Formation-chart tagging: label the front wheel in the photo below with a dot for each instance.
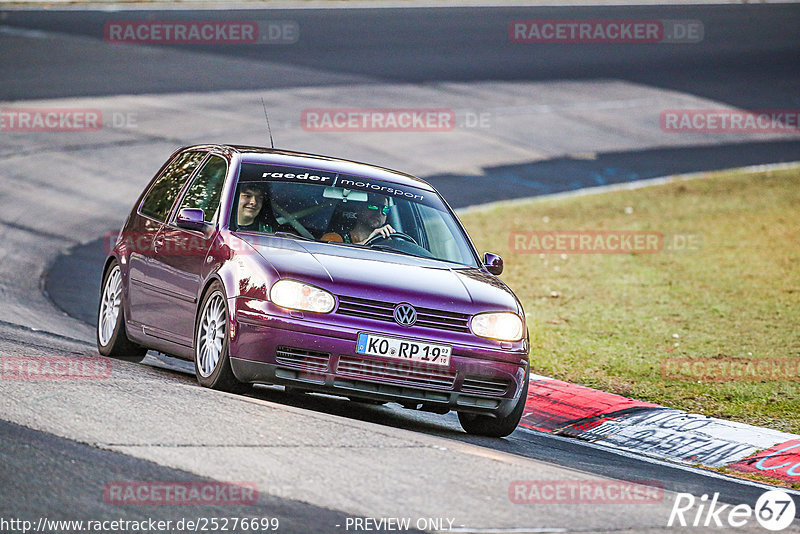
(484, 425)
(212, 365)
(112, 339)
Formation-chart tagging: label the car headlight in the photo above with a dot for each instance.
(504, 326)
(299, 296)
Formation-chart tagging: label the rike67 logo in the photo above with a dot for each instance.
(774, 510)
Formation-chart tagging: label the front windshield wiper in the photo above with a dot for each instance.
(387, 248)
(392, 249)
(293, 236)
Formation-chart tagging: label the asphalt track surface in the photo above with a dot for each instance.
(749, 58)
(77, 473)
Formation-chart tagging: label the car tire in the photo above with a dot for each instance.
(112, 338)
(212, 364)
(485, 425)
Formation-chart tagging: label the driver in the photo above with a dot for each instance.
(370, 221)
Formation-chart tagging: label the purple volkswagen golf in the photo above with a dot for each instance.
(318, 274)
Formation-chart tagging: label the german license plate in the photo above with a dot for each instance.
(403, 349)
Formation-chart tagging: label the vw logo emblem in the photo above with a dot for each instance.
(405, 314)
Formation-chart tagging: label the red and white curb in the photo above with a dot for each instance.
(588, 414)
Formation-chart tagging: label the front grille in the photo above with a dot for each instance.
(485, 386)
(384, 311)
(303, 358)
(396, 372)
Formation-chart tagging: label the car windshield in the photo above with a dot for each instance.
(329, 207)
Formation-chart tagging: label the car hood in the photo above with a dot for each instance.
(385, 276)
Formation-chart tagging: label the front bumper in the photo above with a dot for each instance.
(321, 357)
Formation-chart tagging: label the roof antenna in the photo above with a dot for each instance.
(271, 142)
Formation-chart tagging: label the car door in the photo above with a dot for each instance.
(180, 253)
(147, 306)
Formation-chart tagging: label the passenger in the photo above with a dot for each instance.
(251, 214)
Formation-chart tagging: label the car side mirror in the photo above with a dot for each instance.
(493, 263)
(191, 219)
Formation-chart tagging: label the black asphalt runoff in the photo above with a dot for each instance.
(568, 174)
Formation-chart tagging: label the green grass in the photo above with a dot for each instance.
(608, 321)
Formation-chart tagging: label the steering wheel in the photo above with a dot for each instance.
(393, 235)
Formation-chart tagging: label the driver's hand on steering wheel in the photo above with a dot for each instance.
(383, 231)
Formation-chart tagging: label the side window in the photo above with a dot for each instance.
(206, 188)
(440, 235)
(162, 195)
